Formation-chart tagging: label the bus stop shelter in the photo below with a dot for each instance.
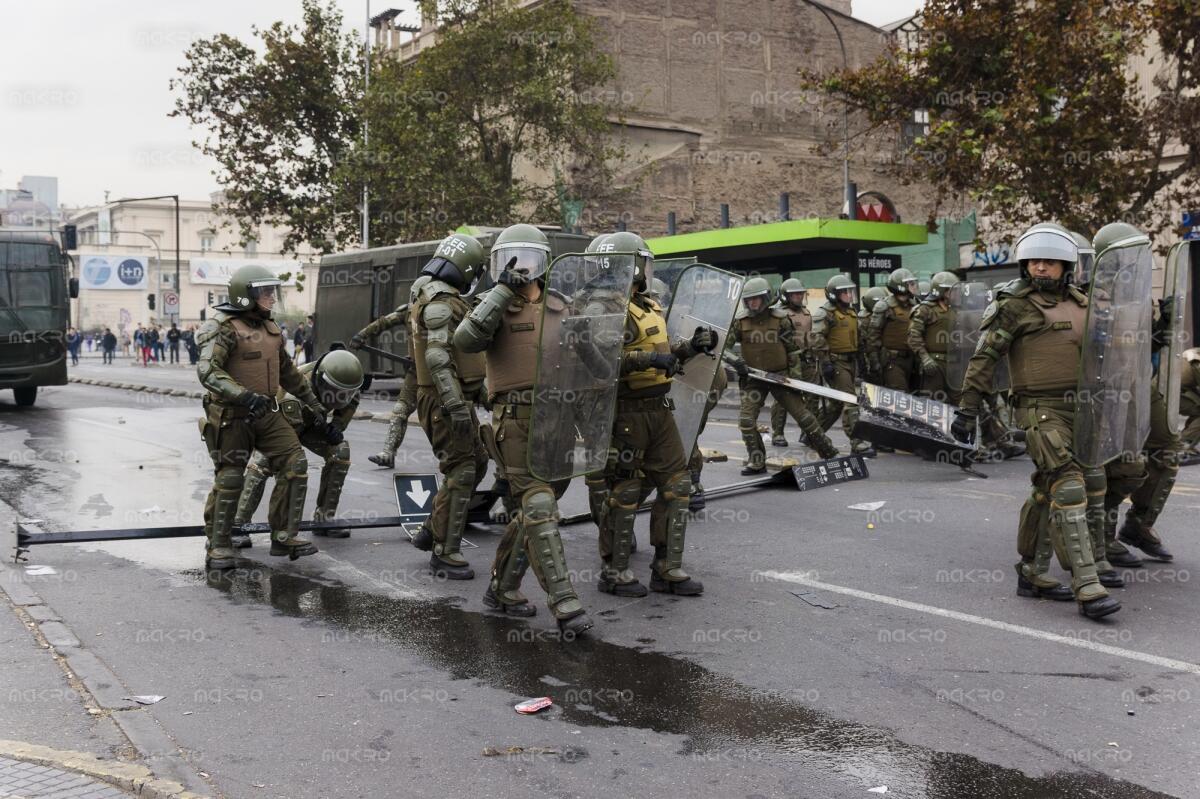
(797, 246)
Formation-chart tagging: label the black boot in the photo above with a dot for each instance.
(1111, 579)
(1059, 593)
(450, 571)
(571, 626)
(750, 471)
(423, 540)
(609, 586)
(1126, 560)
(1098, 608)
(523, 609)
(688, 587)
(1131, 534)
(241, 541)
(293, 548)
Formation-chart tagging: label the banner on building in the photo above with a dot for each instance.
(217, 271)
(112, 272)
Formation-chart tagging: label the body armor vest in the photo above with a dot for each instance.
(895, 329)
(762, 344)
(645, 331)
(469, 365)
(841, 331)
(1048, 360)
(937, 329)
(254, 363)
(802, 323)
(513, 355)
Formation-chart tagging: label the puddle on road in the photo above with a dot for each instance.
(722, 719)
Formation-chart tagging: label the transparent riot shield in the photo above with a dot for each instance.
(578, 364)
(968, 301)
(702, 296)
(1113, 396)
(1171, 357)
(668, 271)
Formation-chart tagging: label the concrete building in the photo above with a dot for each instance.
(127, 252)
(716, 111)
(34, 203)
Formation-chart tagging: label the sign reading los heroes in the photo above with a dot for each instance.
(217, 271)
(113, 272)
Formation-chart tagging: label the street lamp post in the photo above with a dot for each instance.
(178, 286)
(848, 191)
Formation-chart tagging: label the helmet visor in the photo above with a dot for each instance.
(849, 296)
(528, 261)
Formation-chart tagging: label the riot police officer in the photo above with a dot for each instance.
(836, 344)
(888, 352)
(793, 299)
(929, 332)
(506, 324)
(243, 364)
(1038, 323)
(768, 342)
(449, 382)
(336, 379)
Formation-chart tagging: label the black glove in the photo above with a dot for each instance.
(357, 341)
(963, 427)
(461, 422)
(743, 371)
(666, 362)
(333, 434)
(828, 370)
(511, 278)
(704, 339)
(257, 403)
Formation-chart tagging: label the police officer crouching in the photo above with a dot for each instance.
(336, 378)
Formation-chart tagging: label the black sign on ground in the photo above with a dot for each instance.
(835, 470)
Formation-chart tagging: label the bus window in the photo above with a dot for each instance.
(31, 289)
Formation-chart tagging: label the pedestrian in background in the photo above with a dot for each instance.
(189, 341)
(125, 342)
(298, 343)
(159, 339)
(310, 340)
(109, 345)
(73, 340)
(173, 342)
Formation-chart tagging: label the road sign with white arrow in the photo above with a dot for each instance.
(414, 495)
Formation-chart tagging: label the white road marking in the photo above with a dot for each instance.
(1129, 654)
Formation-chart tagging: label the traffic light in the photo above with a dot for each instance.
(150, 300)
(203, 315)
(70, 237)
(210, 298)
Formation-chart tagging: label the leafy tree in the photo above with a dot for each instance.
(1034, 112)
(460, 133)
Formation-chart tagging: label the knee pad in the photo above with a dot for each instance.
(1095, 481)
(678, 487)
(461, 477)
(1068, 492)
(625, 494)
(538, 506)
(229, 478)
(295, 466)
(257, 468)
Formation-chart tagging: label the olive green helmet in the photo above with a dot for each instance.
(337, 377)
(792, 286)
(838, 284)
(643, 259)
(525, 248)
(941, 283)
(246, 284)
(872, 296)
(658, 291)
(923, 287)
(458, 260)
(756, 287)
(1087, 258)
(597, 244)
(903, 282)
(1117, 234)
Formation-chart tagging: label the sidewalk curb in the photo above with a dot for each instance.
(102, 692)
(131, 777)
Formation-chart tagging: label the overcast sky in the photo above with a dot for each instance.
(84, 94)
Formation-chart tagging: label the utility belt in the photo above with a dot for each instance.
(512, 410)
(645, 404)
(898, 353)
(844, 357)
(1054, 400)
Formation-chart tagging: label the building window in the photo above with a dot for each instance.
(206, 241)
(915, 128)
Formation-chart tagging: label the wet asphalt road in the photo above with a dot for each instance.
(908, 661)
